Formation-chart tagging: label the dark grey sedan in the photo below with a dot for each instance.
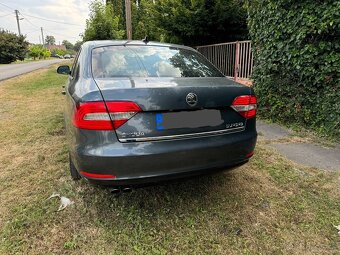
(140, 113)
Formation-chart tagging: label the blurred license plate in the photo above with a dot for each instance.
(188, 119)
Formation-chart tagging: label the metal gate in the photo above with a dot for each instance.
(234, 59)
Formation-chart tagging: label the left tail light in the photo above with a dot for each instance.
(98, 116)
(245, 105)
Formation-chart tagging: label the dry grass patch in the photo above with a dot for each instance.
(269, 206)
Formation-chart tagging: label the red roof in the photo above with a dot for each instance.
(59, 47)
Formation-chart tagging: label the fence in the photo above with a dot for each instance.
(234, 59)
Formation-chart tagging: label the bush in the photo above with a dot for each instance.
(12, 47)
(297, 60)
(38, 51)
(60, 52)
(45, 53)
(34, 51)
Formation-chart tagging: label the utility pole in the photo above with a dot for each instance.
(128, 19)
(17, 16)
(42, 37)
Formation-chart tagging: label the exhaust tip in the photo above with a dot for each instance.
(126, 189)
(115, 191)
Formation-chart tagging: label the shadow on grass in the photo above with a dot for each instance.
(196, 198)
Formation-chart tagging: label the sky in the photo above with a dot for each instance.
(36, 13)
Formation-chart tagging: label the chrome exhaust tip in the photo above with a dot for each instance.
(115, 191)
(126, 189)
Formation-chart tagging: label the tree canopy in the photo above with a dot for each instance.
(192, 22)
(200, 22)
(102, 24)
(68, 45)
(50, 40)
(12, 47)
(77, 45)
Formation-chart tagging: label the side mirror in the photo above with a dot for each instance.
(64, 70)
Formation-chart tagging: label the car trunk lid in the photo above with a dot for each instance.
(173, 108)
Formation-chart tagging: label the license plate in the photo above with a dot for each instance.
(188, 119)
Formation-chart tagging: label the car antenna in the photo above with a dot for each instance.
(146, 39)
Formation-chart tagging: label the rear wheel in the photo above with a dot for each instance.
(74, 173)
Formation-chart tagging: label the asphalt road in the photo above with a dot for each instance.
(12, 70)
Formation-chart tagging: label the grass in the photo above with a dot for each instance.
(269, 206)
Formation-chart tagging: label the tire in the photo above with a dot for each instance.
(74, 172)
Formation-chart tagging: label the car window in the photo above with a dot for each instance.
(150, 61)
(75, 66)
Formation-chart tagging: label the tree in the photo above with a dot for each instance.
(68, 45)
(77, 45)
(45, 53)
(102, 24)
(38, 51)
(118, 7)
(50, 40)
(193, 22)
(200, 22)
(34, 51)
(143, 18)
(12, 47)
(144, 21)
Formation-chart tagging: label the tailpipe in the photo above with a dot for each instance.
(115, 191)
(126, 190)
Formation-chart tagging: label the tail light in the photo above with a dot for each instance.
(245, 105)
(97, 116)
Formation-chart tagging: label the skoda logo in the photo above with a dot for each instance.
(191, 99)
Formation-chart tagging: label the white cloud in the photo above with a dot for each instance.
(167, 70)
(68, 11)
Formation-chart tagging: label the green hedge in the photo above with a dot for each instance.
(297, 61)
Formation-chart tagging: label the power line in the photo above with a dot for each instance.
(52, 20)
(5, 11)
(29, 21)
(54, 33)
(7, 6)
(6, 15)
(40, 28)
(33, 31)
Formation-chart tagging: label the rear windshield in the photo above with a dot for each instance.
(150, 61)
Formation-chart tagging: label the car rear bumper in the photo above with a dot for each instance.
(145, 162)
(163, 177)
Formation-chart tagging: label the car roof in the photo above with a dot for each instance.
(103, 43)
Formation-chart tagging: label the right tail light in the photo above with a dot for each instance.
(245, 105)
